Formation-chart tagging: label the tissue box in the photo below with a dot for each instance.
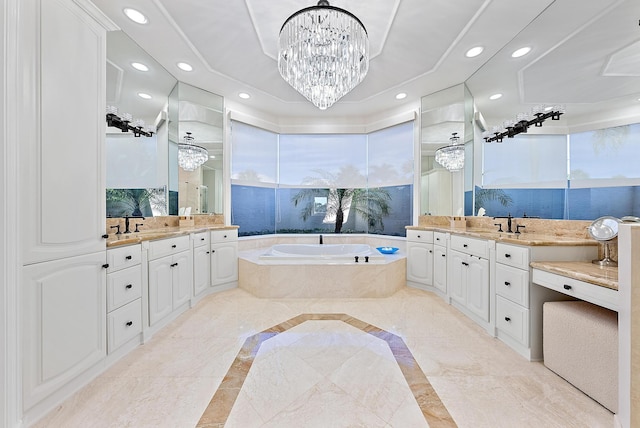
(458, 222)
(187, 220)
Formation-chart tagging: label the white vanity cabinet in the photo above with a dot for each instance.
(440, 262)
(170, 277)
(468, 278)
(224, 257)
(201, 262)
(124, 295)
(420, 259)
(518, 301)
(63, 323)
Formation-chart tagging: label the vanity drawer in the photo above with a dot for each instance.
(473, 246)
(425, 236)
(124, 324)
(218, 236)
(200, 239)
(601, 296)
(123, 287)
(513, 320)
(123, 257)
(513, 284)
(440, 238)
(512, 255)
(165, 247)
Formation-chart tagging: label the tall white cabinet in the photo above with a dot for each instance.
(60, 73)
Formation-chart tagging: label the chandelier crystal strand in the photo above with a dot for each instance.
(323, 53)
(452, 156)
(191, 156)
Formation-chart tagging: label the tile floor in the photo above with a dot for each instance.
(326, 363)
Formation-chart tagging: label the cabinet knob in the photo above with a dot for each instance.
(105, 236)
(128, 286)
(213, 251)
(444, 255)
(508, 256)
(128, 258)
(507, 319)
(465, 245)
(567, 287)
(507, 283)
(419, 236)
(437, 239)
(202, 239)
(208, 252)
(105, 266)
(174, 246)
(430, 251)
(225, 236)
(129, 323)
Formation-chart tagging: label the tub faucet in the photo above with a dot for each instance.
(320, 239)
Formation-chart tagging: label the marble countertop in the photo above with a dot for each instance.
(530, 239)
(604, 276)
(168, 232)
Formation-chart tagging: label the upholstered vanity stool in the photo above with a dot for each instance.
(580, 342)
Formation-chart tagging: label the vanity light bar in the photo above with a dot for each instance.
(124, 123)
(522, 123)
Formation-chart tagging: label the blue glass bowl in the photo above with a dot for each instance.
(387, 250)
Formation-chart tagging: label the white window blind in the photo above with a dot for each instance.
(323, 161)
(605, 157)
(526, 161)
(254, 158)
(391, 156)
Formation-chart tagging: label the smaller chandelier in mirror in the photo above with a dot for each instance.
(190, 155)
(323, 53)
(452, 156)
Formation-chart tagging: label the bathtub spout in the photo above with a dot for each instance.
(320, 239)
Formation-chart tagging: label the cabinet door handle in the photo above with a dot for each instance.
(567, 287)
(174, 264)
(507, 283)
(105, 236)
(128, 258)
(129, 323)
(508, 256)
(208, 252)
(105, 266)
(174, 246)
(444, 255)
(465, 245)
(202, 239)
(507, 319)
(465, 264)
(128, 286)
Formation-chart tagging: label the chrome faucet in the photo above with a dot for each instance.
(320, 239)
(508, 217)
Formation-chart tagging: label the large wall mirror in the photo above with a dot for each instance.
(138, 167)
(197, 119)
(583, 165)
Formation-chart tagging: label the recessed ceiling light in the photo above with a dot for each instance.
(139, 66)
(244, 95)
(143, 95)
(474, 52)
(212, 157)
(495, 96)
(184, 66)
(135, 16)
(521, 52)
(401, 96)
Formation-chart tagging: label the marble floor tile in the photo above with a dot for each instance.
(408, 360)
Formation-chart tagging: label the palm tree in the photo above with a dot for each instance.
(370, 204)
(485, 195)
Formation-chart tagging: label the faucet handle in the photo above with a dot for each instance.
(137, 225)
(498, 224)
(518, 228)
(117, 226)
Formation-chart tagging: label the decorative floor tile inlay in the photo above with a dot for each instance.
(220, 407)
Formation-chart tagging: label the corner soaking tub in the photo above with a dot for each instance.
(321, 254)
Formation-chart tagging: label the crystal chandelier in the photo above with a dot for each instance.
(323, 53)
(451, 156)
(190, 156)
